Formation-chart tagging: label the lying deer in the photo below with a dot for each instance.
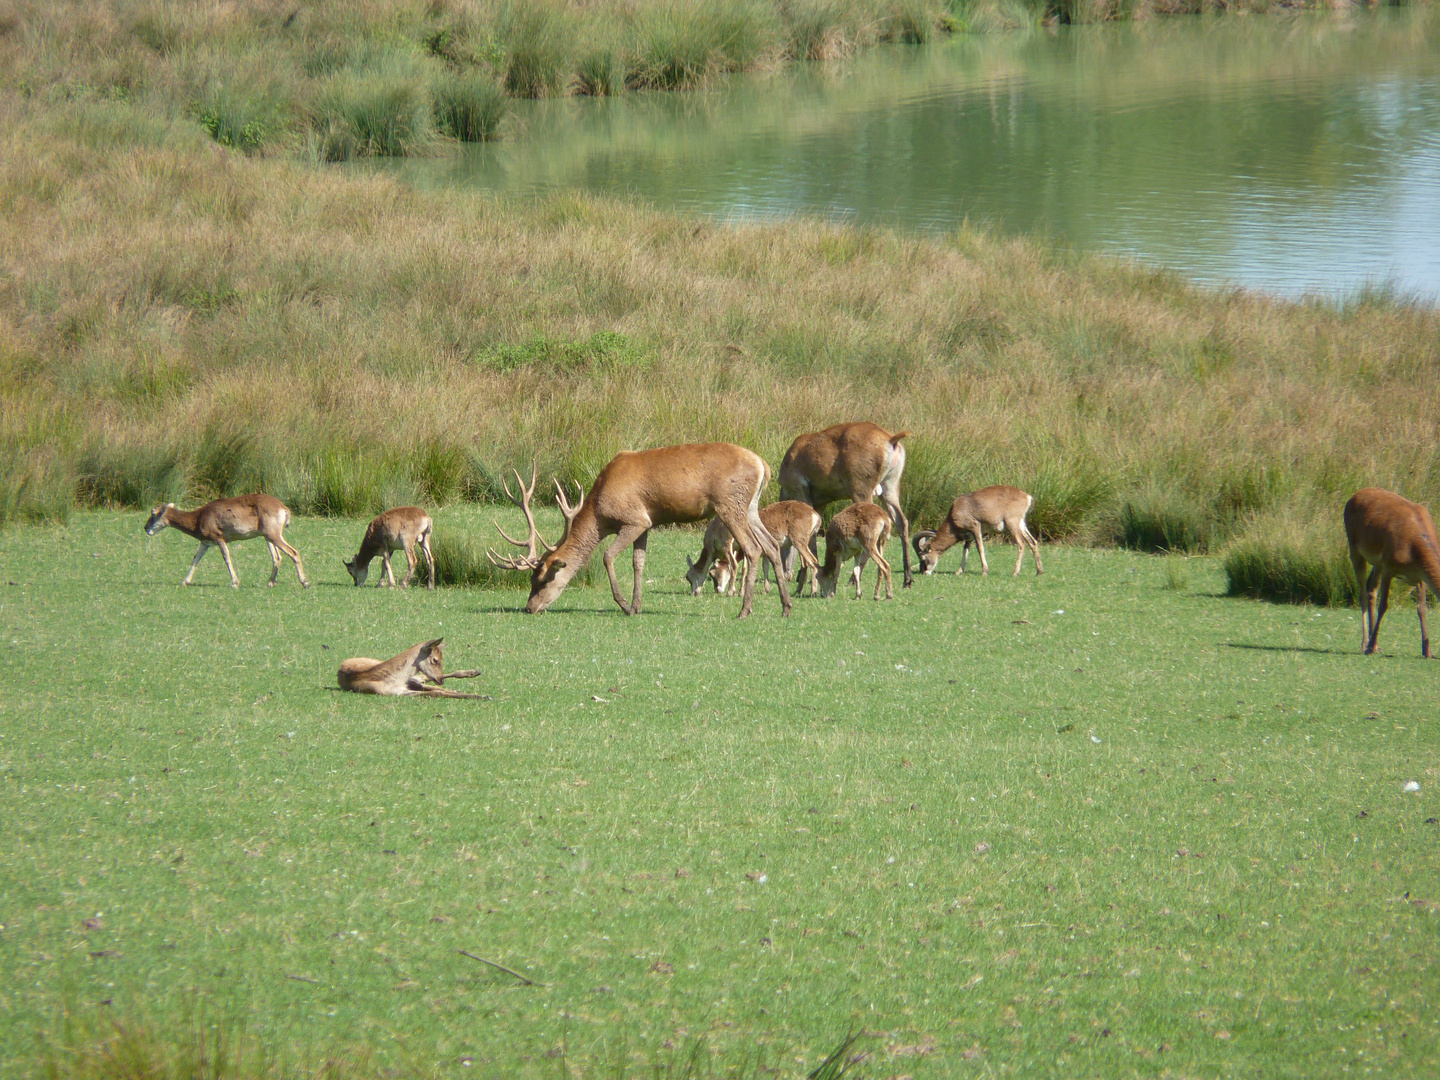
(401, 529)
(1397, 538)
(793, 524)
(227, 521)
(860, 531)
(992, 510)
(408, 675)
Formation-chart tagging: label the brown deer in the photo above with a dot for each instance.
(635, 492)
(1397, 538)
(992, 510)
(792, 523)
(227, 521)
(403, 529)
(858, 532)
(848, 461)
(416, 672)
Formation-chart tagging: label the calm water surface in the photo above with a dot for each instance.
(1291, 154)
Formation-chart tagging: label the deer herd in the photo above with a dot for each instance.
(722, 483)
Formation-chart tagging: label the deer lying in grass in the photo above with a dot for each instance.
(401, 529)
(227, 521)
(992, 510)
(416, 672)
(792, 523)
(860, 531)
(637, 491)
(861, 462)
(1397, 538)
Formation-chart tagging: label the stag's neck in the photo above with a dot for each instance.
(581, 539)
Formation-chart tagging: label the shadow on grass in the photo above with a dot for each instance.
(1288, 648)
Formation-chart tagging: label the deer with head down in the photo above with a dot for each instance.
(416, 672)
(793, 524)
(860, 461)
(403, 529)
(858, 532)
(227, 521)
(634, 493)
(992, 510)
(1397, 538)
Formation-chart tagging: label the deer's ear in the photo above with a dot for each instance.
(429, 647)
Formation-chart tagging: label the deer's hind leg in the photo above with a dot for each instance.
(1420, 610)
(229, 565)
(274, 562)
(429, 559)
(279, 541)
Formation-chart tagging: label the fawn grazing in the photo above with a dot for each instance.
(416, 672)
(992, 510)
(403, 529)
(635, 492)
(848, 461)
(861, 532)
(791, 523)
(227, 521)
(1397, 538)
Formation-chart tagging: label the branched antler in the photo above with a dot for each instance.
(533, 555)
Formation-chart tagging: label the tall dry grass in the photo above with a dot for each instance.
(180, 320)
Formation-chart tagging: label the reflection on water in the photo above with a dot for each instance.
(1287, 153)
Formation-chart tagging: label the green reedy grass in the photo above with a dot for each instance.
(1165, 814)
(469, 106)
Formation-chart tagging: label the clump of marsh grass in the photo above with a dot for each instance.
(537, 39)
(1177, 573)
(381, 109)
(468, 106)
(1161, 519)
(1298, 555)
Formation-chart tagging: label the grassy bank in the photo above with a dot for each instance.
(181, 321)
(332, 81)
(1083, 824)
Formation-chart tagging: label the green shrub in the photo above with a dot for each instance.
(35, 485)
(468, 106)
(672, 49)
(460, 560)
(600, 73)
(139, 477)
(1067, 496)
(243, 122)
(603, 350)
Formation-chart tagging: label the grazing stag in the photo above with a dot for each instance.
(416, 672)
(227, 521)
(635, 492)
(992, 510)
(792, 523)
(848, 461)
(1397, 538)
(860, 532)
(401, 529)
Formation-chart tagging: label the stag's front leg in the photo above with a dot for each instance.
(628, 535)
(638, 560)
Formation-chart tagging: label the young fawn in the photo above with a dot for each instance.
(412, 673)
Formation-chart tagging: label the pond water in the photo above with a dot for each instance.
(1286, 153)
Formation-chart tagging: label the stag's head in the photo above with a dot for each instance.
(159, 518)
(549, 570)
(921, 542)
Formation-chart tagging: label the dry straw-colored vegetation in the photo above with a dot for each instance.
(180, 319)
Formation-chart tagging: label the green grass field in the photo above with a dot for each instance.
(1086, 824)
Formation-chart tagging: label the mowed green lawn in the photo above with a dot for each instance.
(1079, 825)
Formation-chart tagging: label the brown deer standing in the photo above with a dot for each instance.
(792, 523)
(1397, 538)
(860, 532)
(991, 509)
(416, 672)
(634, 493)
(848, 461)
(403, 529)
(227, 521)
